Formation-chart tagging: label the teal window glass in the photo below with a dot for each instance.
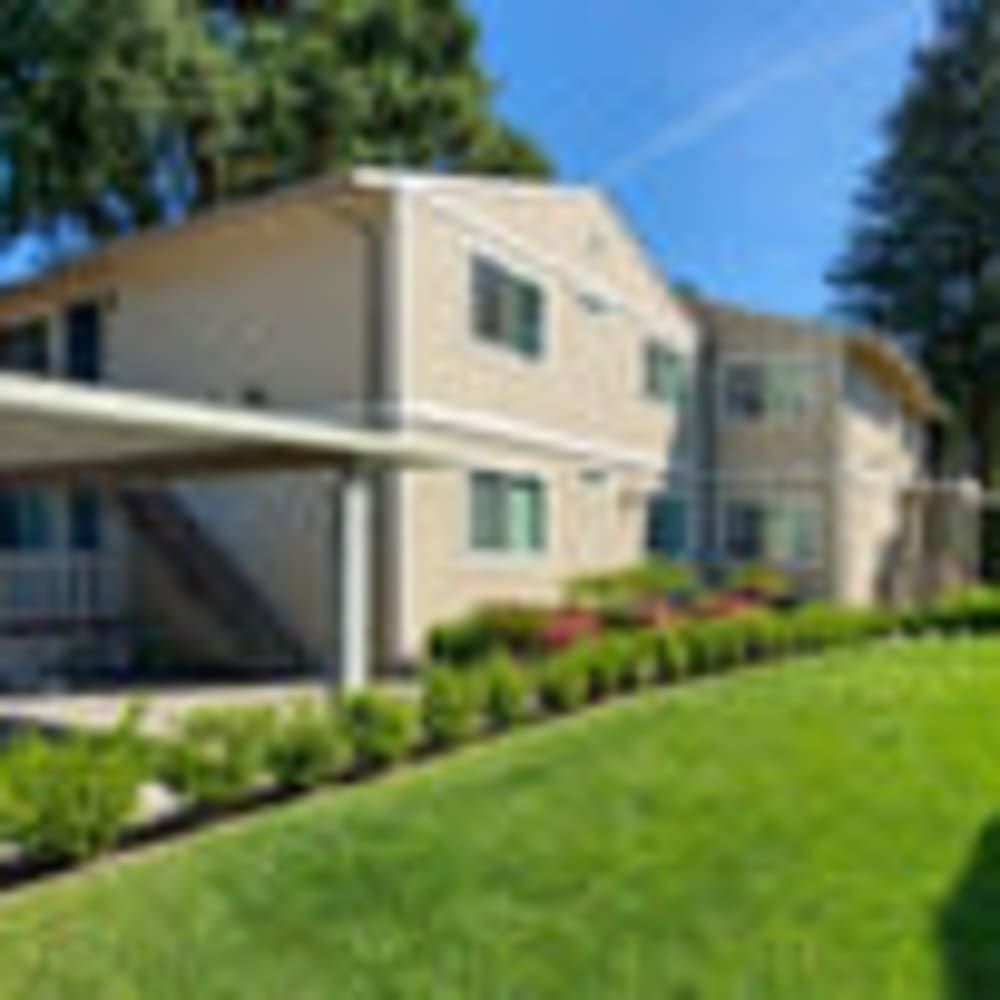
(508, 311)
(24, 348)
(667, 527)
(84, 342)
(85, 520)
(508, 513)
(25, 521)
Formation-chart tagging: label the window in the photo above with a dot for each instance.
(745, 531)
(508, 513)
(775, 389)
(24, 347)
(667, 527)
(25, 521)
(84, 342)
(786, 532)
(85, 521)
(666, 376)
(794, 535)
(507, 310)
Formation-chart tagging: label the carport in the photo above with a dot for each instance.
(57, 433)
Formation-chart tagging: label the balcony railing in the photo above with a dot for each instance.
(59, 591)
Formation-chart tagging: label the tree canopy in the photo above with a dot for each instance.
(116, 115)
(923, 260)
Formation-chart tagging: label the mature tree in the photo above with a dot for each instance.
(96, 100)
(116, 114)
(924, 259)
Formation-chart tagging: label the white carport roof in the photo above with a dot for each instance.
(51, 431)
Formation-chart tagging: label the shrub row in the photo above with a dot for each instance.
(649, 595)
(69, 799)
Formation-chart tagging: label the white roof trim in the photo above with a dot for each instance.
(47, 424)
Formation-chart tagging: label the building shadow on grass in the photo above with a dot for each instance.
(969, 924)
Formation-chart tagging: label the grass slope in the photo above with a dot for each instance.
(824, 829)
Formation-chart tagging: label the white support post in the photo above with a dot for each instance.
(352, 574)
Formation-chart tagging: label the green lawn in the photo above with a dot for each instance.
(823, 829)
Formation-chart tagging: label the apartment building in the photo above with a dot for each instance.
(818, 460)
(594, 417)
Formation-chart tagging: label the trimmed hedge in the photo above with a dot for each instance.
(507, 695)
(382, 729)
(450, 707)
(563, 681)
(654, 579)
(492, 629)
(69, 800)
(309, 745)
(218, 756)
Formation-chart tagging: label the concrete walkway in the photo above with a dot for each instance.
(62, 711)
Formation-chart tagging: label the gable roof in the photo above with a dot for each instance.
(360, 181)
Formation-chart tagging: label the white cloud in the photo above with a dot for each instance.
(730, 104)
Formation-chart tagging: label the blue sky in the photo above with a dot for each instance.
(733, 132)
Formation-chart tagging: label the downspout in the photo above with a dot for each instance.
(376, 336)
(380, 410)
(710, 549)
(838, 545)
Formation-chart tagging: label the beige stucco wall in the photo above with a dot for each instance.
(577, 416)
(880, 456)
(776, 457)
(784, 446)
(594, 523)
(589, 382)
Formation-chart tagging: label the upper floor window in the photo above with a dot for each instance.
(509, 513)
(666, 375)
(84, 360)
(25, 348)
(508, 310)
(34, 346)
(786, 532)
(782, 389)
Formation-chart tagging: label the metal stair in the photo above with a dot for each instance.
(207, 573)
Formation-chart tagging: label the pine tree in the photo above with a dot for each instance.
(924, 258)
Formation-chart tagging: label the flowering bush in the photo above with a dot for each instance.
(568, 627)
(509, 628)
(654, 580)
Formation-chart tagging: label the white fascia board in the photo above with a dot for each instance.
(158, 422)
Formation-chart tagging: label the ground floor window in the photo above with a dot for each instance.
(35, 520)
(509, 513)
(85, 521)
(784, 531)
(26, 521)
(667, 526)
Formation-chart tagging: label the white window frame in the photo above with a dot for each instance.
(472, 250)
(771, 503)
(503, 557)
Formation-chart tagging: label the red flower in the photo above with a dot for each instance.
(567, 627)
